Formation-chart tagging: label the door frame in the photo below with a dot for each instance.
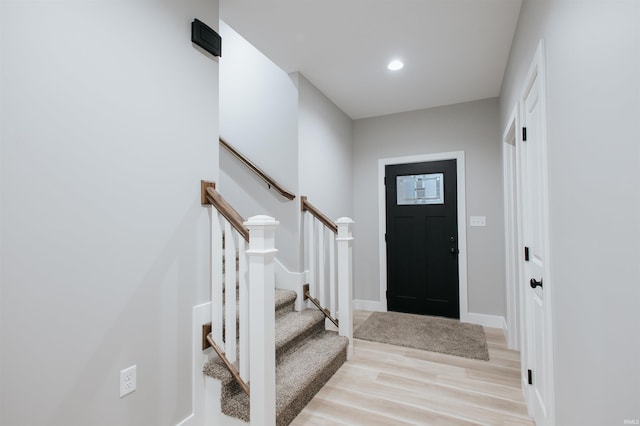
(462, 222)
(512, 231)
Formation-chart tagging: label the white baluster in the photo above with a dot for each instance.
(332, 275)
(244, 311)
(216, 277)
(345, 279)
(321, 285)
(310, 222)
(230, 292)
(262, 319)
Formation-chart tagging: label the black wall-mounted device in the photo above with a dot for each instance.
(205, 37)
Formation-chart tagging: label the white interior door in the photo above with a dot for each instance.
(537, 327)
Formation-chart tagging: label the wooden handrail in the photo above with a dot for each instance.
(214, 198)
(325, 311)
(234, 372)
(306, 206)
(258, 171)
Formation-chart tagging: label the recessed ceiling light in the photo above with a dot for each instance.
(395, 65)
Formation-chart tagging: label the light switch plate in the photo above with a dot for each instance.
(477, 221)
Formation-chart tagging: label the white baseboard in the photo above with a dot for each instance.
(494, 321)
(188, 421)
(369, 305)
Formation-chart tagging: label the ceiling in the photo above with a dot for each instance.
(453, 50)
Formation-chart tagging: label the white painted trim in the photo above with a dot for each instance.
(520, 279)
(262, 357)
(205, 391)
(369, 305)
(462, 221)
(494, 321)
(188, 421)
(288, 280)
(511, 221)
(201, 314)
(344, 250)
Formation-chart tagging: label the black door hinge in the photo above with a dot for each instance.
(530, 376)
(526, 254)
(385, 238)
(524, 134)
(385, 181)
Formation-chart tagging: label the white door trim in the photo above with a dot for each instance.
(462, 221)
(511, 233)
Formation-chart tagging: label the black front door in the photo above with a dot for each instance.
(422, 238)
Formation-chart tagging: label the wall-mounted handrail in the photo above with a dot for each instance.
(258, 171)
(229, 213)
(306, 206)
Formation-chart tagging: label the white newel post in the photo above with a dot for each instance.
(262, 359)
(345, 280)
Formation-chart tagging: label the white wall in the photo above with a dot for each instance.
(109, 121)
(469, 127)
(259, 116)
(325, 151)
(593, 91)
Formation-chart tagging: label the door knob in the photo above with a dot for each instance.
(533, 283)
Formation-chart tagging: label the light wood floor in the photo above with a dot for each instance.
(391, 385)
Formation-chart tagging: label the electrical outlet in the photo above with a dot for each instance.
(127, 381)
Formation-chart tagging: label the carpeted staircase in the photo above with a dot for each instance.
(307, 356)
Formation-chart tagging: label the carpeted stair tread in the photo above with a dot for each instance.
(284, 302)
(300, 374)
(292, 327)
(306, 357)
(303, 373)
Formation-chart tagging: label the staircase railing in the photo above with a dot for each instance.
(328, 259)
(271, 183)
(248, 353)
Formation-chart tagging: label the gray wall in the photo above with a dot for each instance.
(469, 127)
(593, 91)
(289, 129)
(325, 152)
(259, 116)
(109, 121)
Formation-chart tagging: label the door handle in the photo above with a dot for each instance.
(533, 283)
(454, 250)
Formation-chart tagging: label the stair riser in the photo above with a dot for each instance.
(231, 387)
(287, 307)
(293, 409)
(318, 328)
